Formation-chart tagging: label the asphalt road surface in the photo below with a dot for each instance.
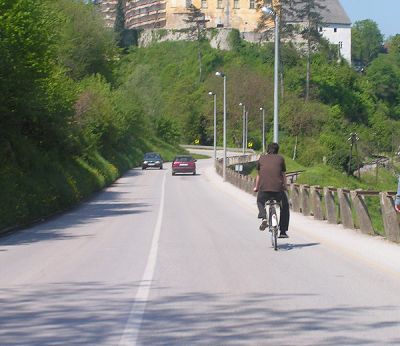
(157, 259)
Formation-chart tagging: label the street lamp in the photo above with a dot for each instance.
(269, 11)
(221, 74)
(247, 129)
(215, 122)
(244, 126)
(263, 128)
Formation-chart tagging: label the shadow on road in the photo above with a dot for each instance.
(115, 201)
(93, 313)
(288, 247)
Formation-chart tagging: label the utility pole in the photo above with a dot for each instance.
(353, 143)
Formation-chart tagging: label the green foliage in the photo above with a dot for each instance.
(305, 119)
(366, 41)
(383, 74)
(383, 129)
(62, 138)
(343, 101)
(26, 61)
(77, 114)
(168, 130)
(292, 166)
(308, 153)
(337, 150)
(324, 175)
(85, 46)
(119, 24)
(234, 39)
(48, 184)
(336, 84)
(393, 45)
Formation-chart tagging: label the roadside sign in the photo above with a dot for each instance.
(239, 168)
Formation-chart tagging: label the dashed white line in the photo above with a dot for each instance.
(134, 322)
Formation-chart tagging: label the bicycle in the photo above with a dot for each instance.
(273, 208)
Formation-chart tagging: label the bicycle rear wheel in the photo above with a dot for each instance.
(273, 227)
(274, 236)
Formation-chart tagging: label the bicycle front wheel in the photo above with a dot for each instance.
(274, 235)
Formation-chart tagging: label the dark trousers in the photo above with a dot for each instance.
(264, 196)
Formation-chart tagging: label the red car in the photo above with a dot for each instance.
(184, 164)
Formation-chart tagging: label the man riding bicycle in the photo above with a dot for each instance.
(271, 185)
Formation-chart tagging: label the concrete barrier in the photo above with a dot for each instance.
(330, 207)
(346, 216)
(305, 199)
(310, 199)
(361, 211)
(390, 217)
(316, 203)
(295, 197)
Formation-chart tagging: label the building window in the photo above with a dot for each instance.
(219, 3)
(252, 4)
(340, 44)
(334, 29)
(236, 4)
(204, 4)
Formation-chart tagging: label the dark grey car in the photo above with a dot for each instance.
(152, 160)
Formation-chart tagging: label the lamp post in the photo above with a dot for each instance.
(247, 129)
(263, 128)
(268, 10)
(221, 74)
(215, 123)
(244, 126)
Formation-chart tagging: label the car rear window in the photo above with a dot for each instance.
(152, 157)
(184, 158)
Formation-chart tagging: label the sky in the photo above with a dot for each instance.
(383, 12)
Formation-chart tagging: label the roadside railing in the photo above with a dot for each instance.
(351, 208)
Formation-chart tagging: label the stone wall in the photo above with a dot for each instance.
(218, 37)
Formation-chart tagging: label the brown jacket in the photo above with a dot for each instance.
(271, 170)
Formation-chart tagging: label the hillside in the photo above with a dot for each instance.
(77, 111)
(167, 79)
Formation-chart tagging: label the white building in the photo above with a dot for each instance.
(335, 26)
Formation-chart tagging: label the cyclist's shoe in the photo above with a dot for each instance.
(264, 224)
(283, 235)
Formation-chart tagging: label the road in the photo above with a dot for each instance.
(157, 259)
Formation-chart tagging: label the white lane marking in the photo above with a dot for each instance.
(133, 325)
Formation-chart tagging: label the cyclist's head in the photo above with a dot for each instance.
(273, 148)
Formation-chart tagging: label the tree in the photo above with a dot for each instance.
(119, 24)
(85, 46)
(305, 12)
(285, 10)
(309, 11)
(30, 83)
(384, 76)
(302, 119)
(366, 41)
(196, 21)
(393, 45)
